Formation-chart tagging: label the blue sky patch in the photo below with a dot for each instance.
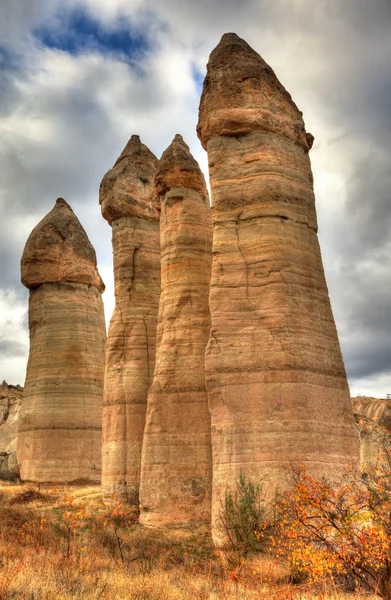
(78, 33)
(198, 77)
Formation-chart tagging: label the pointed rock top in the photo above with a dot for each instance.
(178, 168)
(232, 48)
(242, 95)
(133, 147)
(127, 189)
(58, 250)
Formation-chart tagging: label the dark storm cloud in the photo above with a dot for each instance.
(369, 201)
(366, 330)
(11, 348)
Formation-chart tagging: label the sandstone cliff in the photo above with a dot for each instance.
(10, 403)
(275, 376)
(129, 205)
(60, 423)
(373, 417)
(176, 461)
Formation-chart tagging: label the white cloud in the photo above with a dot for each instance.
(64, 120)
(14, 341)
(377, 386)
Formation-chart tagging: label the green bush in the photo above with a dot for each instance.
(243, 516)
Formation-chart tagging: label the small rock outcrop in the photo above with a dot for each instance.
(60, 424)
(275, 375)
(10, 403)
(373, 417)
(175, 488)
(130, 207)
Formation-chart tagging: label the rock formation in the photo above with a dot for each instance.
(373, 417)
(176, 459)
(59, 437)
(128, 204)
(275, 376)
(10, 402)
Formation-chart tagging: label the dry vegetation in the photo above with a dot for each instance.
(58, 543)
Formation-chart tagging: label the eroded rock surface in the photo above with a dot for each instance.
(59, 250)
(128, 203)
(10, 403)
(176, 461)
(373, 417)
(60, 425)
(275, 375)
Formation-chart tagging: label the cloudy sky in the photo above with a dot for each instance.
(79, 77)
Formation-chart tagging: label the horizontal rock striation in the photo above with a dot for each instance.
(60, 425)
(10, 403)
(129, 205)
(275, 375)
(175, 489)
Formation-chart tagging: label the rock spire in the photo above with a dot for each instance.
(275, 376)
(60, 424)
(129, 205)
(175, 483)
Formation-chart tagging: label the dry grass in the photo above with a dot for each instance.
(41, 560)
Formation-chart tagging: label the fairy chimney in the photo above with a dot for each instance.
(129, 205)
(60, 423)
(275, 375)
(175, 487)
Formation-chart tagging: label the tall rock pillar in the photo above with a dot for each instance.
(275, 375)
(60, 423)
(128, 204)
(176, 460)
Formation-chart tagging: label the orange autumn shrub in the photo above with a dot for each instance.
(121, 517)
(334, 532)
(72, 519)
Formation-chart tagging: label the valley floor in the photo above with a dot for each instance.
(61, 543)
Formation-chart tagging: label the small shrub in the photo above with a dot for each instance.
(120, 517)
(243, 516)
(133, 495)
(340, 533)
(72, 520)
(29, 495)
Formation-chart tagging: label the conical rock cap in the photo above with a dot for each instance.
(178, 168)
(58, 250)
(127, 190)
(242, 95)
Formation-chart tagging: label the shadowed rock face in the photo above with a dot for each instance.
(275, 376)
(60, 425)
(128, 203)
(176, 461)
(10, 403)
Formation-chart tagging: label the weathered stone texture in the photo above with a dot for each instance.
(58, 249)
(175, 485)
(60, 425)
(275, 376)
(373, 416)
(128, 203)
(10, 402)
